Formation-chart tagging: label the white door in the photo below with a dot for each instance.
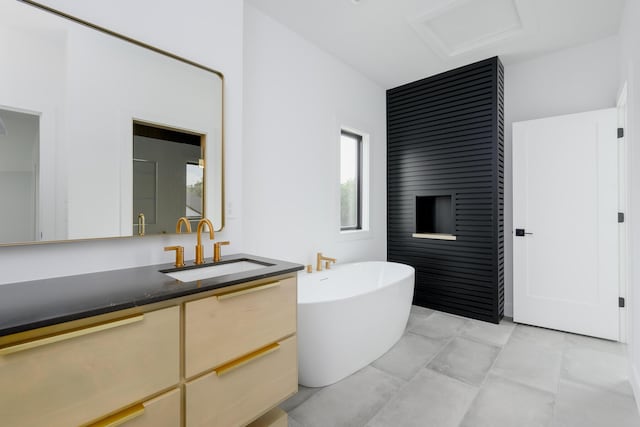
(565, 196)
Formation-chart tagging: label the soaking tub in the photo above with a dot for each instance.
(349, 316)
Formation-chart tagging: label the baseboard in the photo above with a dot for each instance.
(634, 378)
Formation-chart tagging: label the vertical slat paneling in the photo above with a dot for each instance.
(445, 135)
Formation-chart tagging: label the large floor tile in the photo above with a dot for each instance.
(292, 422)
(421, 311)
(489, 333)
(580, 405)
(466, 360)
(437, 325)
(418, 315)
(296, 400)
(529, 362)
(598, 368)
(541, 336)
(504, 403)
(581, 341)
(350, 402)
(429, 399)
(409, 354)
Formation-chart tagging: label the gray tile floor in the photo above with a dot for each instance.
(451, 371)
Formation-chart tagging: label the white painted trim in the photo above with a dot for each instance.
(623, 206)
(437, 236)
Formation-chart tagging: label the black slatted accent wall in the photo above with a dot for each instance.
(445, 137)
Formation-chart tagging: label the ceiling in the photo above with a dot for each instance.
(399, 41)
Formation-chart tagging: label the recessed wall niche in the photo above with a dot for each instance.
(434, 216)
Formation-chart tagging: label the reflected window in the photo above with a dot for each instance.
(195, 182)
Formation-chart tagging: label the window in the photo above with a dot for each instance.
(350, 181)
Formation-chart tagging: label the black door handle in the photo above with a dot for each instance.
(520, 232)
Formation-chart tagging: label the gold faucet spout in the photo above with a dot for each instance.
(185, 221)
(199, 248)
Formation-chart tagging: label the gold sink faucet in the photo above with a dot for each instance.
(327, 260)
(199, 247)
(185, 221)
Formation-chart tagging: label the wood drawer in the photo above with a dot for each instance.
(233, 397)
(221, 328)
(163, 411)
(78, 376)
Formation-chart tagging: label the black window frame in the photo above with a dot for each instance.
(359, 141)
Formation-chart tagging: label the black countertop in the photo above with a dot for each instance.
(39, 303)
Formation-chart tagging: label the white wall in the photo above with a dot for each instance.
(296, 97)
(209, 32)
(582, 78)
(630, 73)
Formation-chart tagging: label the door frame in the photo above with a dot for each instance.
(623, 206)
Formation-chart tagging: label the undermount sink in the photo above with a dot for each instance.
(201, 273)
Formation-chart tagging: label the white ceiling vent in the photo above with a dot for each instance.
(464, 25)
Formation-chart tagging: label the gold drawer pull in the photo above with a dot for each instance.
(69, 335)
(225, 369)
(232, 294)
(121, 417)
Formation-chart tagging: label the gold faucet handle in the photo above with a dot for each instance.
(179, 254)
(217, 252)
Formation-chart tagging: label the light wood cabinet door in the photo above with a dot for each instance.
(244, 388)
(79, 376)
(221, 328)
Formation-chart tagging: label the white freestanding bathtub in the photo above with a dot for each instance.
(349, 316)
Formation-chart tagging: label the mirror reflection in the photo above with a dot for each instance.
(168, 178)
(96, 130)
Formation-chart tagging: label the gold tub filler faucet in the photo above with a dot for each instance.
(327, 261)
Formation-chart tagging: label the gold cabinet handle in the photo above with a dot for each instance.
(226, 368)
(232, 294)
(121, 417)
(141, 224)
(68, 335)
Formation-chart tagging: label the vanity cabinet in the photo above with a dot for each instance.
(79, 375)
(220, 358)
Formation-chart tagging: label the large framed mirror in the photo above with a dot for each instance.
(101, 136)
